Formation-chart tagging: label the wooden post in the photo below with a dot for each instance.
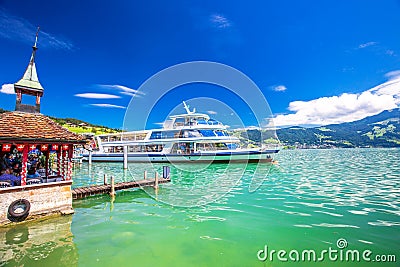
(156, 181)
(68, 158)
(90, 156)
(112, 193)
(59, 161)
(105, 179)
(46, 163)
(62, 167)
(24, 164)
(145, 175)
(64, 163)
(125, 157)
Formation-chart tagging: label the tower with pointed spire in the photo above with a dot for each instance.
(29, 85)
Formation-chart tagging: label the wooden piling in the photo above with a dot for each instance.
(145, 175)
(112, 192)
(105, 179)
(156, 180)
(125, 157)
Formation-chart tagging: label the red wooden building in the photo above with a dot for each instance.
(27, 132)
(24, 132)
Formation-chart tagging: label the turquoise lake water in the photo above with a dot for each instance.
(343, 200)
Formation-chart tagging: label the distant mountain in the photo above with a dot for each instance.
(382, 130)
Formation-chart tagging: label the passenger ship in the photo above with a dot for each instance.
(186, 138)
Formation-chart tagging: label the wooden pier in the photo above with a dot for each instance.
(82, 192)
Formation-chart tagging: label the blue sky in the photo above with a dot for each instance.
(316, 62)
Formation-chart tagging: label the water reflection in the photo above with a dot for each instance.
(47, 242)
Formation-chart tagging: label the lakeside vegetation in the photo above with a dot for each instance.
(81, 127)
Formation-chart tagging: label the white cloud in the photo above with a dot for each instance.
(393, 74)
(97, 96)
(19, 29)
(367, 44)
(390, 52)
(389, 88)
(128, 93)
(211, 112)
(220, 21)
(279, 88)
(123, 89)
(107, 106)
(7, 88)
(49, 40)
(344, 108)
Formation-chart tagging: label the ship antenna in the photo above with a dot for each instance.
(187, 108)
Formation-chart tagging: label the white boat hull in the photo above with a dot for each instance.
(223, 157)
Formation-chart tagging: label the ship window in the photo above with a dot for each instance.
(207, 133)
(232, 146)
(114, 138)
(155, 135)
(201, 122)
(170, 134)
(191, 133)
(133, 137)
(213, 122)
(141, 136)
(221, 133)
(154, 148)
(104, 138)
(221, 146)
(179, 122)
(206, 147)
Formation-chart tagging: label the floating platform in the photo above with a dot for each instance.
(82, 192)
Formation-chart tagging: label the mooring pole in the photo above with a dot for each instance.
(90, 157)
(166, 172)
(125, 157)
(105, 179)
(112, 193)
(156, 181)
(145, 175)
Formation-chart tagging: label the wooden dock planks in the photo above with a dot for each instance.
(82, 192)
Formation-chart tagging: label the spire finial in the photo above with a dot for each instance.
(29, 84)
(37, 33)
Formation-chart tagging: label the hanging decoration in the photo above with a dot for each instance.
(32, 147)
(6, 148)
(20, 147)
